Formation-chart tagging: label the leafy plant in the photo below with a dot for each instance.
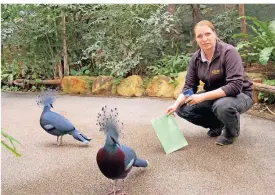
(83, 71)
(9, 72)
(10, 88)
(171, 65)
(10, 146)
(125, 38)
(226, 25)
(261, 44)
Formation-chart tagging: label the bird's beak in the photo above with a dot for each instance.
(51, 105)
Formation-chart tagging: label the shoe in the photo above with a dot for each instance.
(215, 132)
(223, 140)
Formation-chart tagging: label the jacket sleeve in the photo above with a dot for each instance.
(234, 73)
(191, 80)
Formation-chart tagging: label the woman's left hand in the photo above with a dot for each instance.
(195, 99)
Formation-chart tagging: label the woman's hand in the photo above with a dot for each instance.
(180, 100)
(171, 109)
(195, 99)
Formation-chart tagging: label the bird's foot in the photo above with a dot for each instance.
(123, 193)
(114, 192)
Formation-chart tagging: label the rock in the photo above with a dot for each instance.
(160, 86)
(180, 80)
(77, 84)
(252, 75)
(200, 87)
(131, 86)
(103, 85)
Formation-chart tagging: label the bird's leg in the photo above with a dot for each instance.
(123, 187)
(59, 141)
(114, 190)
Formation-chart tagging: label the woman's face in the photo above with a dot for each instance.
(205, 37)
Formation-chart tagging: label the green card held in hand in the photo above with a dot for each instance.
(169, 133)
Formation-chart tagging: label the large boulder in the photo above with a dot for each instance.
(77, 84)
(180, 80)
(131, 86)
(103, 85)
(200, 87)
(160, 86)
(252, 75)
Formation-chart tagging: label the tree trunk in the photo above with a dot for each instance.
(243, 23)
(196, 19)
(264, 88)
(20, 71)
(171, 8)
(196, 12)
(23, 82)
(60, 70)
(65, 49)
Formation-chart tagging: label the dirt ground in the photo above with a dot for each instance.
(261, 109)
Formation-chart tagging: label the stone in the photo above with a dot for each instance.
(103, 85)
(131, 86)
(77, 84)
(160, 86)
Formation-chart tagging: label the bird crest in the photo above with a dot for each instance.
(46, 97)
(108, 122)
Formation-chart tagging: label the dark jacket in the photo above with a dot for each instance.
(225, 71)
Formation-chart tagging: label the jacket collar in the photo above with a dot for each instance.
(216, 52)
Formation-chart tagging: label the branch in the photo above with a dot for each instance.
(22, 82)
(264, 88)
(269, 110)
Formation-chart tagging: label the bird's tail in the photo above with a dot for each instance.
(139, 162)
(80, 137)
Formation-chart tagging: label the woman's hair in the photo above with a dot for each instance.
(210, 25)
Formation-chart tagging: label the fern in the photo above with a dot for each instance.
(262, 42)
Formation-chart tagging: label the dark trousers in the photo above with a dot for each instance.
(217, 113)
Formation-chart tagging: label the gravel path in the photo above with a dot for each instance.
(246, 167)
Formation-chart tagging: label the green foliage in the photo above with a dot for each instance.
(267, 97)
(118, 40)
(83, 71)
(10, 88)
(261, 44)
(266, 54)
(37, 31)
(124, 37)
(9, 72)
(226, 25)
(10, 146)
(171, 65)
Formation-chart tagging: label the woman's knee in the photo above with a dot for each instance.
(223, 108)
(184, 111)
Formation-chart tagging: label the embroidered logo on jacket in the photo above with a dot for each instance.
(216, 71)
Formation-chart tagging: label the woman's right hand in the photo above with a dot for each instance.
(171, 109)
(180, 100)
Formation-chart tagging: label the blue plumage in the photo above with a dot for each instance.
(114, 160)
(54, 123)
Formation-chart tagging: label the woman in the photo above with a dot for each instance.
(227, 92)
